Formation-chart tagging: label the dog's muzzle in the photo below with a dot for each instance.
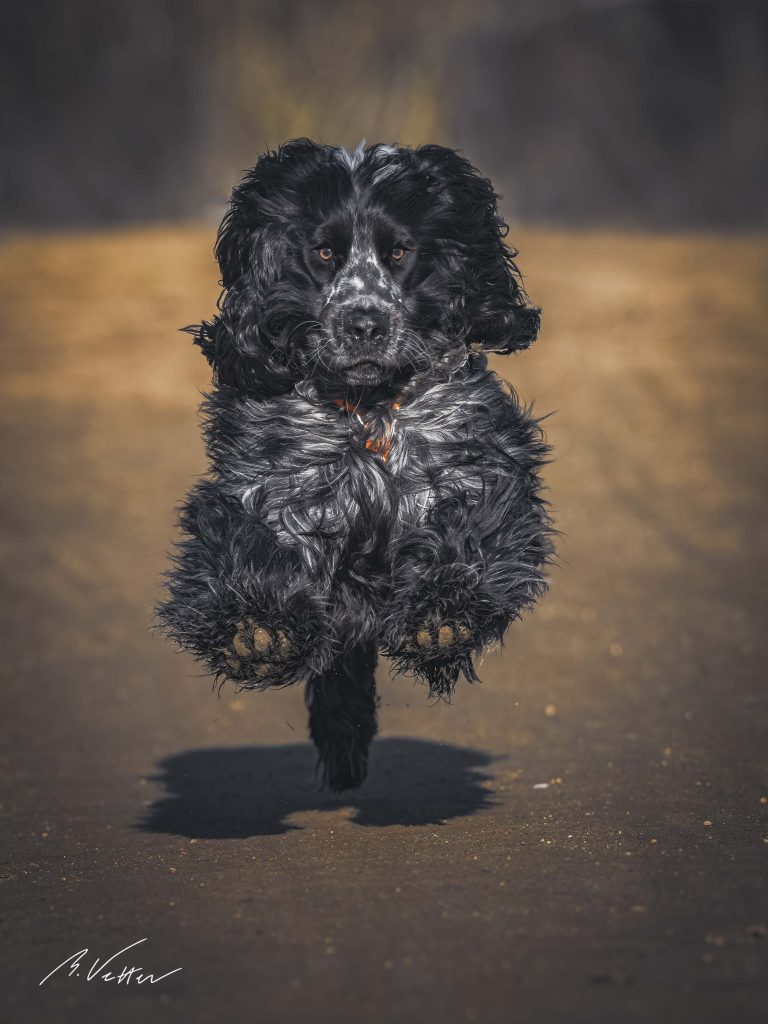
(365, 324)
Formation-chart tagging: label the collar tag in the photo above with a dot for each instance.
(380, 445)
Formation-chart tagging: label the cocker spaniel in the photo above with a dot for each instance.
(373, 486)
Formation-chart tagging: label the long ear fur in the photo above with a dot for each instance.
(246, 344)
(497, 314)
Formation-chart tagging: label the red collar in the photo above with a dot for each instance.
(380, 445)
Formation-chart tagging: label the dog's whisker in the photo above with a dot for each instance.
(304, 323)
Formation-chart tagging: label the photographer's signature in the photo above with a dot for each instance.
(99, 969)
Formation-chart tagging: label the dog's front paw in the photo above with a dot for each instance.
(258, 654)
(437, 650)
(440, 638)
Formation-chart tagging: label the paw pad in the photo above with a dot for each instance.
(438, 638)
(257, 652)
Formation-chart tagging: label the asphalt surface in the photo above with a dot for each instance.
(581, 837)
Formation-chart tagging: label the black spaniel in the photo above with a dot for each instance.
(373, 485)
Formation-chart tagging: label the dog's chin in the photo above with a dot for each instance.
(366, 372)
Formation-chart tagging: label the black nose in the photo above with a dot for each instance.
(366, 325)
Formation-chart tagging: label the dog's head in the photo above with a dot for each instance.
(362, 269)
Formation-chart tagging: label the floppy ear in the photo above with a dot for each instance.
(249, 240)
(496, 312)
(246, 344)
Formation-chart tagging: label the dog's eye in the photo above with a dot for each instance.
(397, 253)
(325, 253)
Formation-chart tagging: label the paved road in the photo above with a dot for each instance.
(582, 837)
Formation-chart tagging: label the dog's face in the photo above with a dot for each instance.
(362, 262)
(365, 269)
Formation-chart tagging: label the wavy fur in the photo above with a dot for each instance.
(304, 551)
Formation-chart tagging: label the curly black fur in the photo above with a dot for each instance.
(373, 484)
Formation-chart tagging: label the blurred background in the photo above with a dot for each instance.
(584, 111)
(580, 837)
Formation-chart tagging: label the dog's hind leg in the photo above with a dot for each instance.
(342, 716)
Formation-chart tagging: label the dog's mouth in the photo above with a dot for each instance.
(365, 371)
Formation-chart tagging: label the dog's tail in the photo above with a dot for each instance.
(342, 716)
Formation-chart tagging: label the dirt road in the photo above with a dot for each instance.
(582, 837)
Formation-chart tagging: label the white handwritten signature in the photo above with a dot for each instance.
(99, 972)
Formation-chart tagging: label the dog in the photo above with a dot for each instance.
(373, 486)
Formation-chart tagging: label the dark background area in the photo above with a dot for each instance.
(639, 112)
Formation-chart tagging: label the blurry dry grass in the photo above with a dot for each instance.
(327, 99)
(333, 75)
(653, 353)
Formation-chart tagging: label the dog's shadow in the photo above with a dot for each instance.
(237, 792)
